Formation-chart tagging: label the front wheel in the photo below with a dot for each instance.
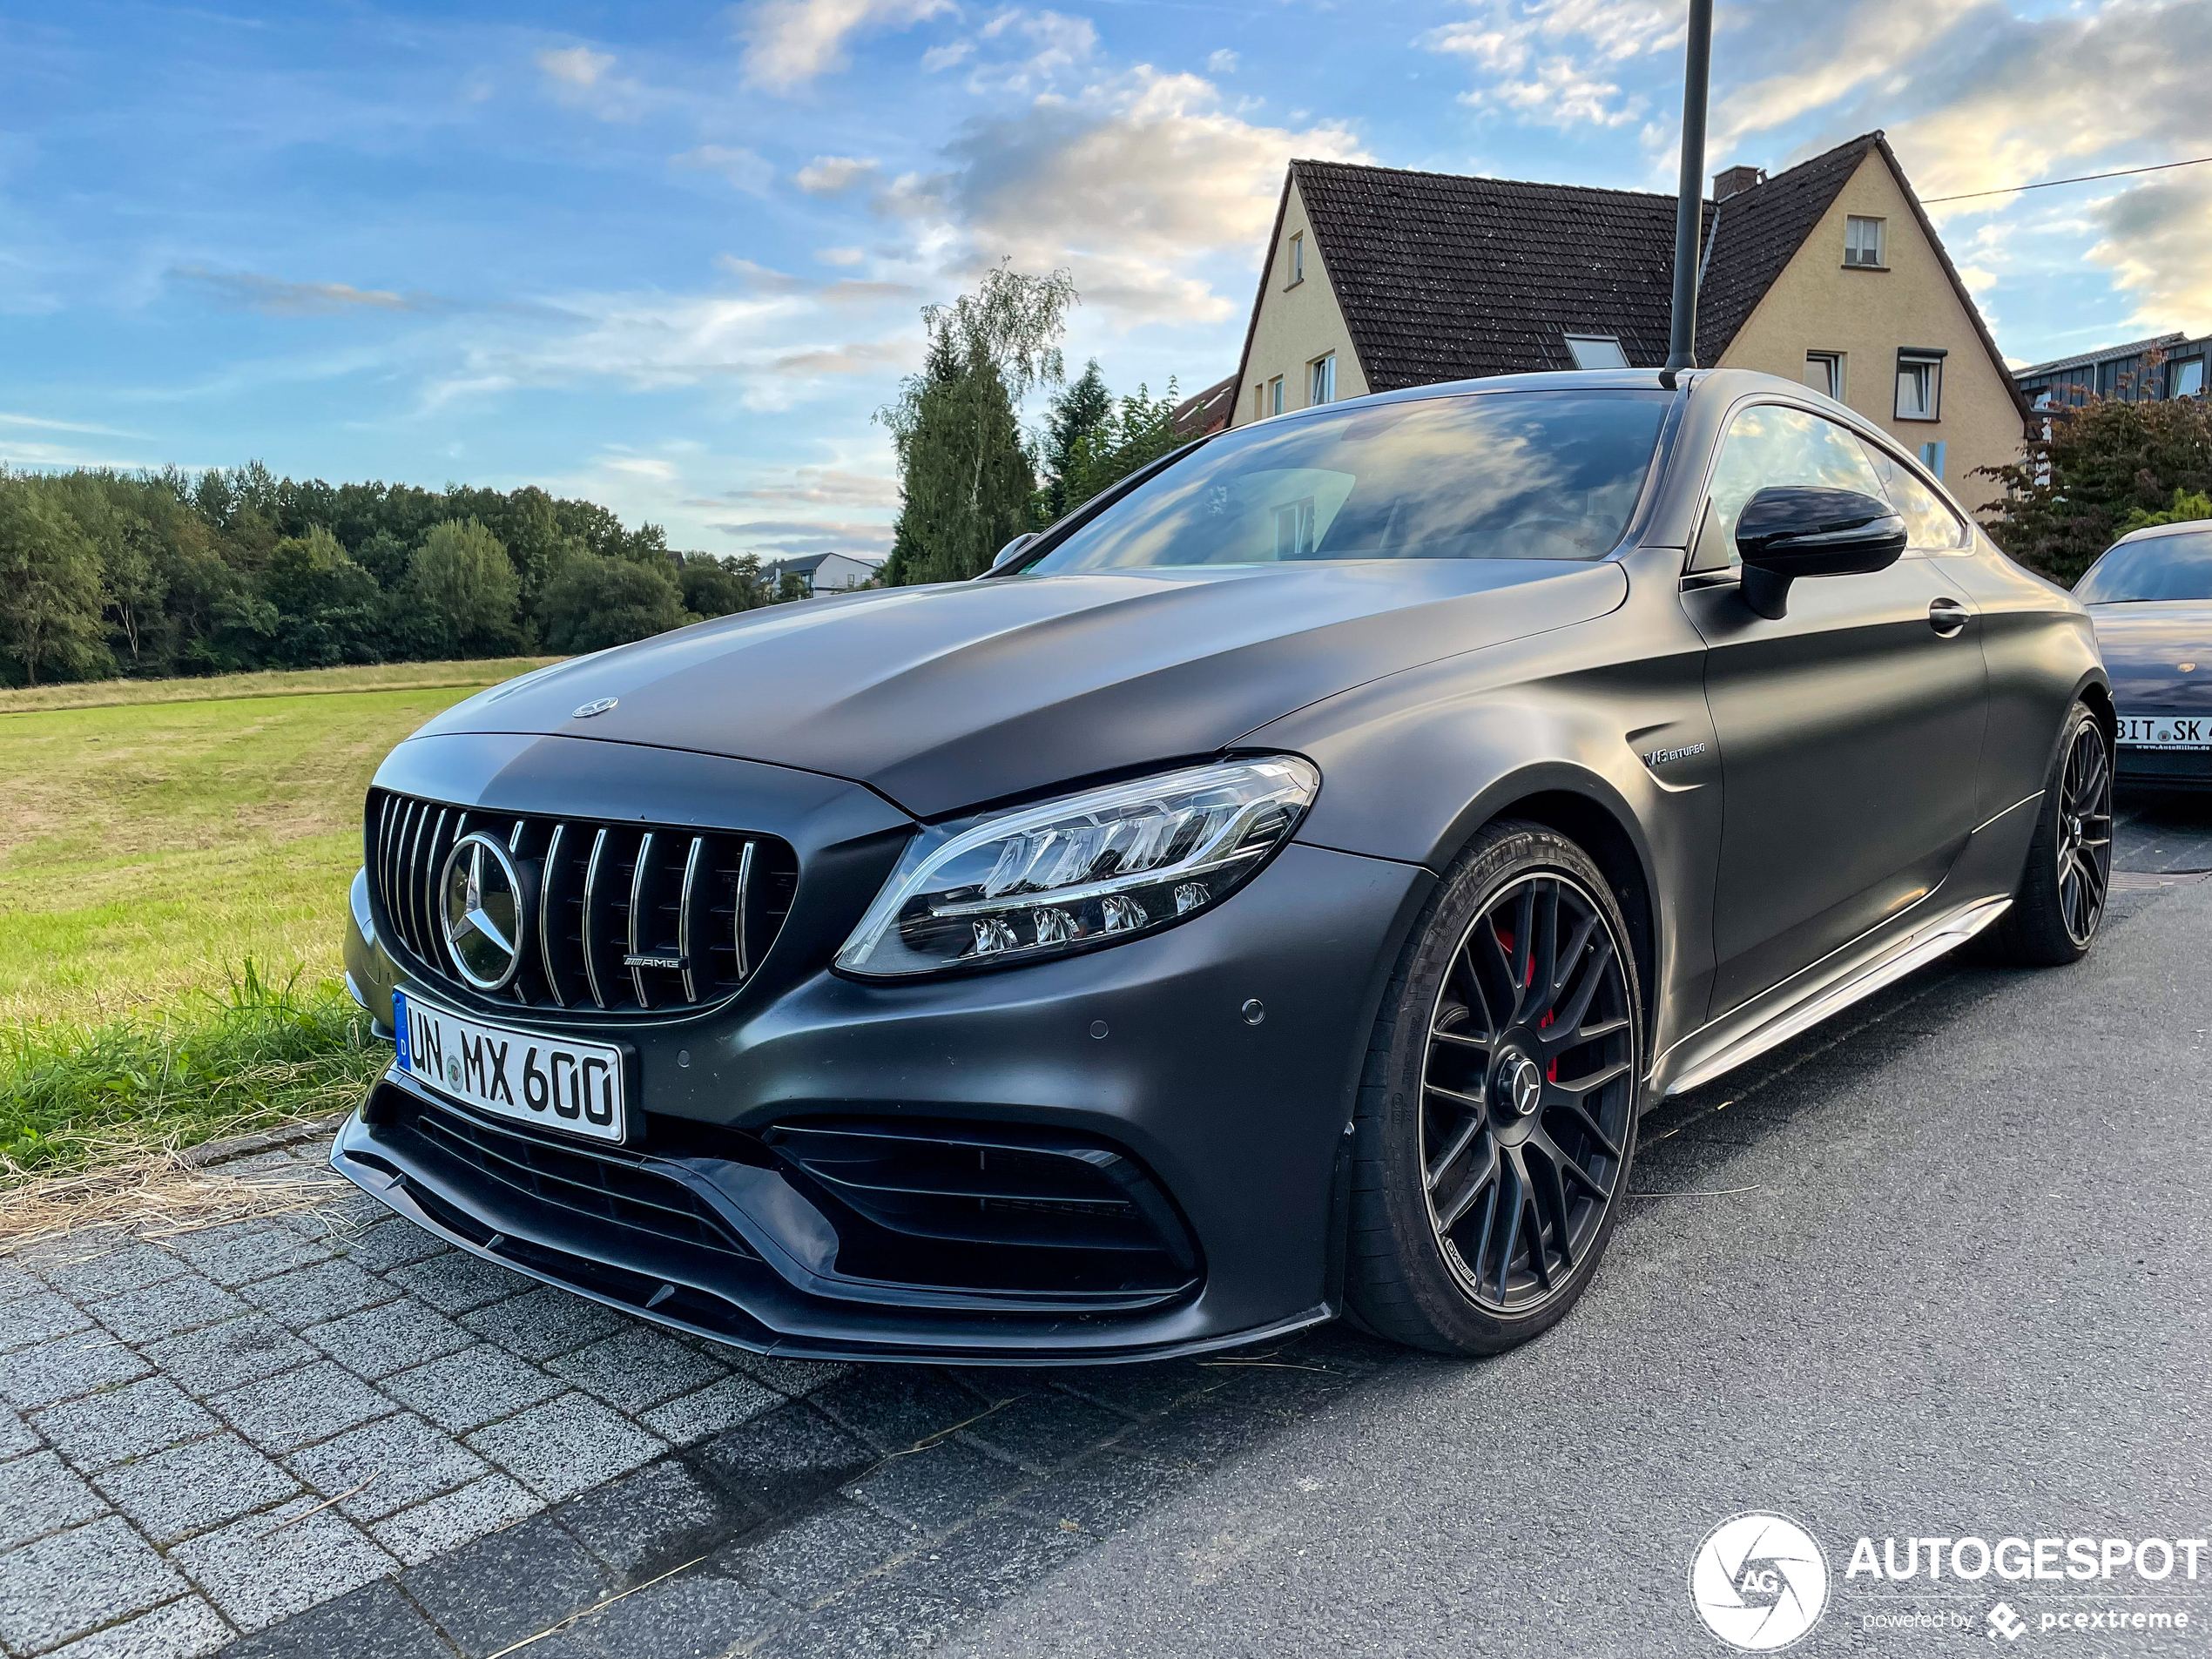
(1497, 1124)
(2060, 902)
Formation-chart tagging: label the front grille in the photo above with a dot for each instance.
(611, 1190)
(627, 918)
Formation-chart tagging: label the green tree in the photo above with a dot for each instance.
(712, 587)
(461, 591)
(1138, 432)
(592, 602)
(50, 589)
(1084, 406)
(327, 605)
(966, 478)
(2072, 494)
(2185, 509)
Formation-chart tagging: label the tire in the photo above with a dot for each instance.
(1451, 1076)
(2060, 901)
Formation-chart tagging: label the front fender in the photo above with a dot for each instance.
(1606, 717)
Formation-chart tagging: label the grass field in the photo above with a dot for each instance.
(174, 866)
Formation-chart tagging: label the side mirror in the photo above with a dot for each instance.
(1011, 550)
(1792, 530)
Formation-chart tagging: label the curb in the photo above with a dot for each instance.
(209, 1154)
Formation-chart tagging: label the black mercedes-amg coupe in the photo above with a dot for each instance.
(1273, 892)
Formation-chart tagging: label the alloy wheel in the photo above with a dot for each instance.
(1528, 1092)
(2085, 833)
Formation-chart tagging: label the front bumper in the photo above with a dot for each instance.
(1142, 1051)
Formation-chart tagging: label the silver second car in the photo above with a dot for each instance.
(1274, 892)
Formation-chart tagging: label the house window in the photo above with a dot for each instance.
(1295, 258)
(1824, 373)
(2186, 377)
(1597, 351)
(1919, 385)
(1931, 457)
(1321, 386)
(1275, 396)
(1862, 241)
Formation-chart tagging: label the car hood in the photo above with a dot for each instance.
(948, 696)
(2146, 646)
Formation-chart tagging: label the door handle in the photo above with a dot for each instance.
(1948, 618)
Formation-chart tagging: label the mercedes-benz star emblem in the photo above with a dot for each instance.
(597, 705)
(484, 907)
(1528, 1085)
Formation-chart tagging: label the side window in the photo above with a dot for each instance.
(1932, 525)
(1771, 443)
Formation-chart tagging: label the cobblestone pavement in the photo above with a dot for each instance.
(327, 1434)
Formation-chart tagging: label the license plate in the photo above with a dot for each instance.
(2166, 731)
(521, 1074)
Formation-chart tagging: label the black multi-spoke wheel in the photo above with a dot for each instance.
(1496, 1132)
(2084, 834)
(2060, 902)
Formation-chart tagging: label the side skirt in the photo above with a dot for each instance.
(1770, 1028)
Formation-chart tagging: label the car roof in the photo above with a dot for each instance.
(2150, 531)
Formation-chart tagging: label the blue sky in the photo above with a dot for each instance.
(669, 257)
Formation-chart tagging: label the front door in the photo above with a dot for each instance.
(1850, 731)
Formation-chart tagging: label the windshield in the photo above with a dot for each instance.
(1487, 476)
(2158, 567)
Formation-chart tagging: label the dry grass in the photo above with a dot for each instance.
(151, 1195)
(378, 676)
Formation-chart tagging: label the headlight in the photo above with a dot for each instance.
(1085, 870)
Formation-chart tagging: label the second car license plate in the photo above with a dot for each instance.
(521, 1074)
(2166, 731)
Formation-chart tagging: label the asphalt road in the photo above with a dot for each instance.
(1951, 1282)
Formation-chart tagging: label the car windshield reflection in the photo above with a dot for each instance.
(1510, 475)
(2159, 568)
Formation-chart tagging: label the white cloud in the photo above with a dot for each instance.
(815, 486)
(575, 65)
(1044, 46)
(781, 341)
(1222, 62)
(745, 169)
(828, 175)
(280, 298)
(1543, 59)
(1135, 184)
(578, 77)
(789, 42)
(841, 256)
(2158, 242)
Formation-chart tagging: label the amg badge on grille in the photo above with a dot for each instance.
(637, 960)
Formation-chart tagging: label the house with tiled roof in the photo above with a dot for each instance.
(2141, 371)
(1377, 279)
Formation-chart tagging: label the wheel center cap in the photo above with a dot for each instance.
(1519, 1085)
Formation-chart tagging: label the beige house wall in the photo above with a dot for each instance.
(1819, 303)
(1296, 325)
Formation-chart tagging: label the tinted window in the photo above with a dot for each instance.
(1928, 523)
(1496, 475)
(1770, 443)
(2158, 567)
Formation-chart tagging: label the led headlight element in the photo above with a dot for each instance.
(1108, 864)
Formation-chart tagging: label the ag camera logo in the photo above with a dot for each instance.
(1759, 1582)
